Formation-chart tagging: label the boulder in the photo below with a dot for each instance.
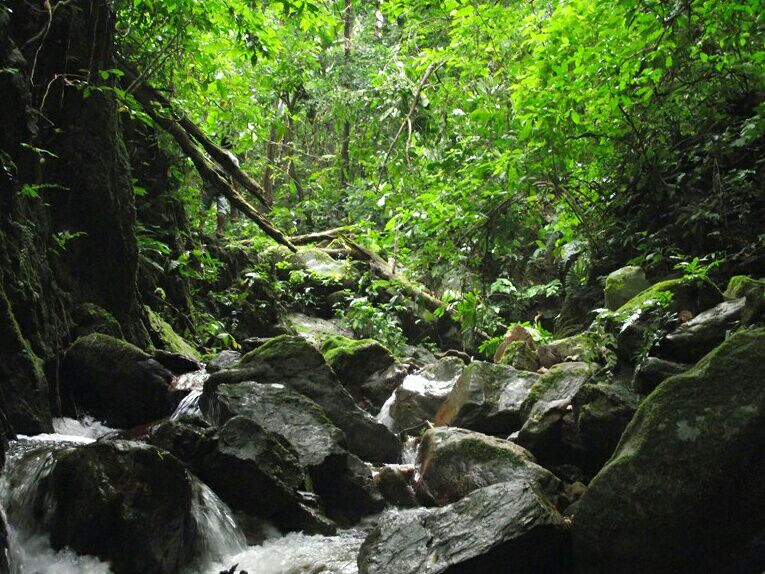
(126, 503)
(488, 398)
(572, 348)
(90, 318)
(281, 410)
(506, 527)
(176, 363)
(454, 462)
(394, 483)
(547, 402)
(114, 381)
(365, 368)
(294, 363)
(684, 490)
(224, 360)
(623, 284)
(695, 338)
(652, 371)
(420, 395)
(521, 355)
(754, 291)
(164, 337)
(315, 330)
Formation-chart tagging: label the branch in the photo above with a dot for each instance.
(319, 236)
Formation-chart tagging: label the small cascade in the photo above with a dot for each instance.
(188, 407)
(194, 381)
(409, 451)
(219, 535)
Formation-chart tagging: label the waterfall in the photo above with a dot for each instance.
(189, 406)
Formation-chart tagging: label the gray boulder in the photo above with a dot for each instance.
(623, 284)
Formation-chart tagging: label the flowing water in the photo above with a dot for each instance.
(30, 459)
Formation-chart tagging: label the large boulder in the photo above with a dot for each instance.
(420, 395)
(652, 371)
(365, 368)
(128, 504)
(548, 401)
(695, 338)
(623, 284)
(454, 462)
(573, 348)
(684, 490)
(294, 363)
(280, 410)
(488, 398)
(506, 527)
(754, 291)
(114, 381)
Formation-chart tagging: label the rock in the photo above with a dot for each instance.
(754, 291)
(280, 410)
(488, 398)
(223, 360)
(364, 367)
(115, 381)
(652, 371)
(314, 329)
(521, 355)
(695, 338)
(684, 490)
(176, 363)
(293, 362)
(454, 462)
(393, 482)
(164, 337)
(420, 395)
(320, 265)
(517, 333)
(126, 503)
(572, 348)
(504, 527)
(548, 401)
(623, 284)
(90, 318)
(601, 412)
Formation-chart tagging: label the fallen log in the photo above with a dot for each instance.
(318, 236)
(207, 170)
(223, 157)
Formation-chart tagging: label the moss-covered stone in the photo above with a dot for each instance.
(165, 338)
(114, 381)
(90, 318)
(624, 284)
(753, 290)
(684, 490)
(521, 355)
(454, 462)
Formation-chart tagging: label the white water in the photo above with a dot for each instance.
(189, 406)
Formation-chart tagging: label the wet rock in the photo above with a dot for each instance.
(501, 528)
(454, 462)
(695, 338)
(653, 371)
(223, 360)
(315, 330)
(394, 483)
(294, 363)
(115, 382)
(488, 398)
(164, 337)
(547, 402)
(420, 395)
(176, 363)
(684, 491)
(365, 368)
(623, 284)
(126, 503)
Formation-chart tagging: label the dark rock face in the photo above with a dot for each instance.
(420, 395)
(507, 527)
(488, 398)
(115, 381)
(176, 363)
(684, 490)
(455, 462)
(125, 503)
(694, 339)
(294, 363)
(652, 371)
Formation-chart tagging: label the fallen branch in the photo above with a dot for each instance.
(207, 170)
(320, 236)
(223, 157)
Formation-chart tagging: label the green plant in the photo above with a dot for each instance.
(378, 322)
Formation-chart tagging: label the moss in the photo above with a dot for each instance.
(166, 338)
(744, 286)
(653, 293)
(284, 349)
(90, 318)
(338, 348)
(623, 284)
(520, 355)
(477, 450)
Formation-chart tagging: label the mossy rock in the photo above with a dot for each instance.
(574, 348)
(684, 490)
(90, 318)
(454, 462)
(165, 338)
(624, 284)
(322, 268)
(114, 381)
(681, 294)
(753, 290)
